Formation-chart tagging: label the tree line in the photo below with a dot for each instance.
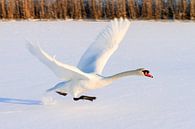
(97, 9)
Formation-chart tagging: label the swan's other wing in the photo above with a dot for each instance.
(63, 71)
(58, 86)
(96, 56)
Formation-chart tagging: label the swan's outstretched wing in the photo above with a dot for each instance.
(96, 56)
(63, 71)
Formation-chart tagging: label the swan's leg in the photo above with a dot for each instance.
(61, 93)
(85, 98)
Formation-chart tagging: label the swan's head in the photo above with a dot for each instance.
(145, 72)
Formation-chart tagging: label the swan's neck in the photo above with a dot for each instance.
(122, 74)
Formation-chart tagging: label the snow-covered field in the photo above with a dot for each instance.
(167, 49)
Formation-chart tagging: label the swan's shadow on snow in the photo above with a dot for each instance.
(20, 101)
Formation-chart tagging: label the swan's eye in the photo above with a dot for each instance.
(146, 72)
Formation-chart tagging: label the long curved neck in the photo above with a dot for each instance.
(122, 74)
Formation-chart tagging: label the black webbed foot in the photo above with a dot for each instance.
(60, 93)
(85, 98)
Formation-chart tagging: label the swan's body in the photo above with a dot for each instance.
(87, 76)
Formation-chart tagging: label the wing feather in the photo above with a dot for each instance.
(63, 71)
(106, 43)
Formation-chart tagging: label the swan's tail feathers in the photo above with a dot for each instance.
(57, 86)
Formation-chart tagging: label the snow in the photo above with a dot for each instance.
(167, 49)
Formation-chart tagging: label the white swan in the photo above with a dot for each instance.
(87, 75)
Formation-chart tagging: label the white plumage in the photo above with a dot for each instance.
(87, 75)
(106, 43)
(63, 71)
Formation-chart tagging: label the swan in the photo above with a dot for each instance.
(88, 74)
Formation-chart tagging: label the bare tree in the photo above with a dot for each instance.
(16, 9)
(184, 9)
(10, 13)
(131, 9)
(158, 9)
(192, 9)
(21, 9)
(42, 14)
(3, 9)
(60, 9)
(99, 9)
(26, 8)
(120, 9)
(171, 10)
(76, 8)
(137, 9)
(144, 8)
(110, 9)
(94, 9)
(177, 9)
(70, 8)
(51, 11)
(79, 13)
(123, 9)
(64, 9)
(147, 9)
(83, 10)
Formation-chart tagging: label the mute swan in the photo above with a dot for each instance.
(87, 75)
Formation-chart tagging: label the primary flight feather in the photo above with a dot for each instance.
(106, 43)
(63, 71)
(87, 75)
